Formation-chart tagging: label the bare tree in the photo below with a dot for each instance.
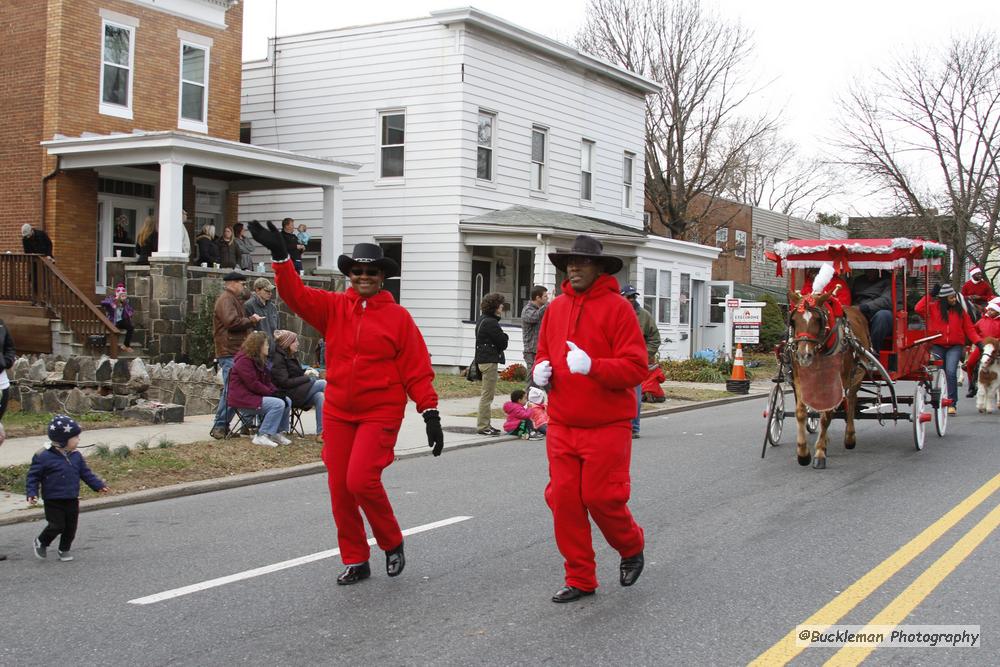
(695, 134)
(772, 174)
(926, 130)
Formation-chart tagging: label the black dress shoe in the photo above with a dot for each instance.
(570, 594)
(630, 569)
(352, 574)
(395, 561)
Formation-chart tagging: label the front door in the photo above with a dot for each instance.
(482, 270)
(118, 222)
(698, 303)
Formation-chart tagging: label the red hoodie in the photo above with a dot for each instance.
(375, 355)
(988, 327)
(955, 330)
(603, 325)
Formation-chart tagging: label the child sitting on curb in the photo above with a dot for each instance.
(59, 468)
(519, 418)
(539, 413)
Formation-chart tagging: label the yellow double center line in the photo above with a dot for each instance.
(786, 648)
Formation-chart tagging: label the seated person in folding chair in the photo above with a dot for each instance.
(251, 389)
(291, 379)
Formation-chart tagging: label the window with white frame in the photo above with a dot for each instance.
(117, 63)
(685, 299)
(392, 133)
(628, 163)
(587, 170)
(741, 244)
(194, 88)
(539, 147)
(484, 150)
(649, 290)
(721, 236)
(663, 297)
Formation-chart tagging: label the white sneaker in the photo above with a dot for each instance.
(263, 440)
(65, 556)
(281, 439)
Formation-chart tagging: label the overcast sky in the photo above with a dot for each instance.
(808, 50)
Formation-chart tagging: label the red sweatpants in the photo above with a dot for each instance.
(589, 474)
(355, 454)
(970, 363)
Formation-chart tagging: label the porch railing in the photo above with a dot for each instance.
(37, 279)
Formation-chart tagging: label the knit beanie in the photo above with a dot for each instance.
(536, 395)
(284, 338)
(62, 428)
(946, 291)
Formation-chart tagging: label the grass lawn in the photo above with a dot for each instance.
(144, 468)
(768, 364)
(456, 386)
(20, 424)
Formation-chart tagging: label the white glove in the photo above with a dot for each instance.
(542, 373)
(577, 360)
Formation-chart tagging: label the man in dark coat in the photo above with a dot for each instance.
(872, 294)
(230, 327)
(292, 243)
(35, 241)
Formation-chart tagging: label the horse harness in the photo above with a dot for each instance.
(837, 330)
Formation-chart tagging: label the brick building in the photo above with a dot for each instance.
(120, 109)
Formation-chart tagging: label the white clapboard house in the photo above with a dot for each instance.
(483, 147)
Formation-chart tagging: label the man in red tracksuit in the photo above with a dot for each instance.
(375, 359)
(592, 353)
(977, 289)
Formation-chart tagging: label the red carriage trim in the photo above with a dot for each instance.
(856, 253)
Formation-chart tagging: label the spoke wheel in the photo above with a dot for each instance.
(919, 426)
(941, 413)
(775, 415)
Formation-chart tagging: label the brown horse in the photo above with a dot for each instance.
(820, 339)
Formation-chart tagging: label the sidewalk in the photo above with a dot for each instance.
(460, 431)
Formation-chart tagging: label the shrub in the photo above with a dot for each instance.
(201, 339)
(121, 452)
(102, 451)
(514, 373)
(698, 370)
(772, 328)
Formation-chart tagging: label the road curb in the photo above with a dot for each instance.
(247, 479)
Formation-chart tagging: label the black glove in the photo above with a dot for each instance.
(269, 237)
(435, 436)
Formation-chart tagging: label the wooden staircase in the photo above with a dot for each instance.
(34, 294)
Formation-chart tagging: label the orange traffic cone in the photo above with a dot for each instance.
(738, 383)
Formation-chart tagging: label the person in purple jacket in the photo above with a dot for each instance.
(58, 468)
(251, 388)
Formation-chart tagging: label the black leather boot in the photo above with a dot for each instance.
(395, 561)
(630, 569)
(352, 574)
(570, 594)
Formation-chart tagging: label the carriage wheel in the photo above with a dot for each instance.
(919, 417)
(775, 414)
(941, 413)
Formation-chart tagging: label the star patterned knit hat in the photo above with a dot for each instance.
(62, 428)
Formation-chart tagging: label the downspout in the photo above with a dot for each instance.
(45, 179)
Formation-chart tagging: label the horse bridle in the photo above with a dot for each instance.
(808, 304)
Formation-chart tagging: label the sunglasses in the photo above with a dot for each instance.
(371, 273)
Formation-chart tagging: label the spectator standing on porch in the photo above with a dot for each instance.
(229, 252)
(531, 322)
(35, 241)
(244, 243)
(292, 242)
(230, 327)
(208, 249)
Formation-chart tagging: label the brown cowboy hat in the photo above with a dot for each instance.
(586, 246)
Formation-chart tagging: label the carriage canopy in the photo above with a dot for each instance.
(847, 254)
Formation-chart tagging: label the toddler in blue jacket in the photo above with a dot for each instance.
(59, 469)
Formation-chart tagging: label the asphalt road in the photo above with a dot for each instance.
(739, 551)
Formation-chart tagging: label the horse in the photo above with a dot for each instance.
(989, 376)
(818, 335)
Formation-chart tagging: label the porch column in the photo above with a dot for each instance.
(541, 262)
(333, 226)
(170, 211)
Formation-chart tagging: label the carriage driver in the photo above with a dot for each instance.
(872, 294)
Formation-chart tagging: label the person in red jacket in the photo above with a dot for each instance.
(375, 359)
(977, 289)
(945, 315)
(987, 326)
(592, 354)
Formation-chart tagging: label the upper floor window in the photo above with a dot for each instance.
(721, 236)
(587, 170)
(392, 133)
(539, 146)
(627, 167)
(117, 62)
(484, 150)
(741, 244)
(194, 88)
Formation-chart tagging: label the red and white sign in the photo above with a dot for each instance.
(732, 303)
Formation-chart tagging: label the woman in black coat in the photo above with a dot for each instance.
(290, 378)
(491, 342)
(208, 249)
(7, 356)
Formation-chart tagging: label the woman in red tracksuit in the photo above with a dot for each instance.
(944, 315)
(375, 358)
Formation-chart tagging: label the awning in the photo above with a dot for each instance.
(557, 224)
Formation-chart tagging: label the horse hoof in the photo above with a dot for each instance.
(804, 460)
(850, 445)
(819, 464)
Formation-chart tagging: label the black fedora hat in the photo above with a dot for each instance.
(586, 246)
(368, 253)
(234, 276)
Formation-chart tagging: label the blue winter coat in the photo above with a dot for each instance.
(60, 474)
